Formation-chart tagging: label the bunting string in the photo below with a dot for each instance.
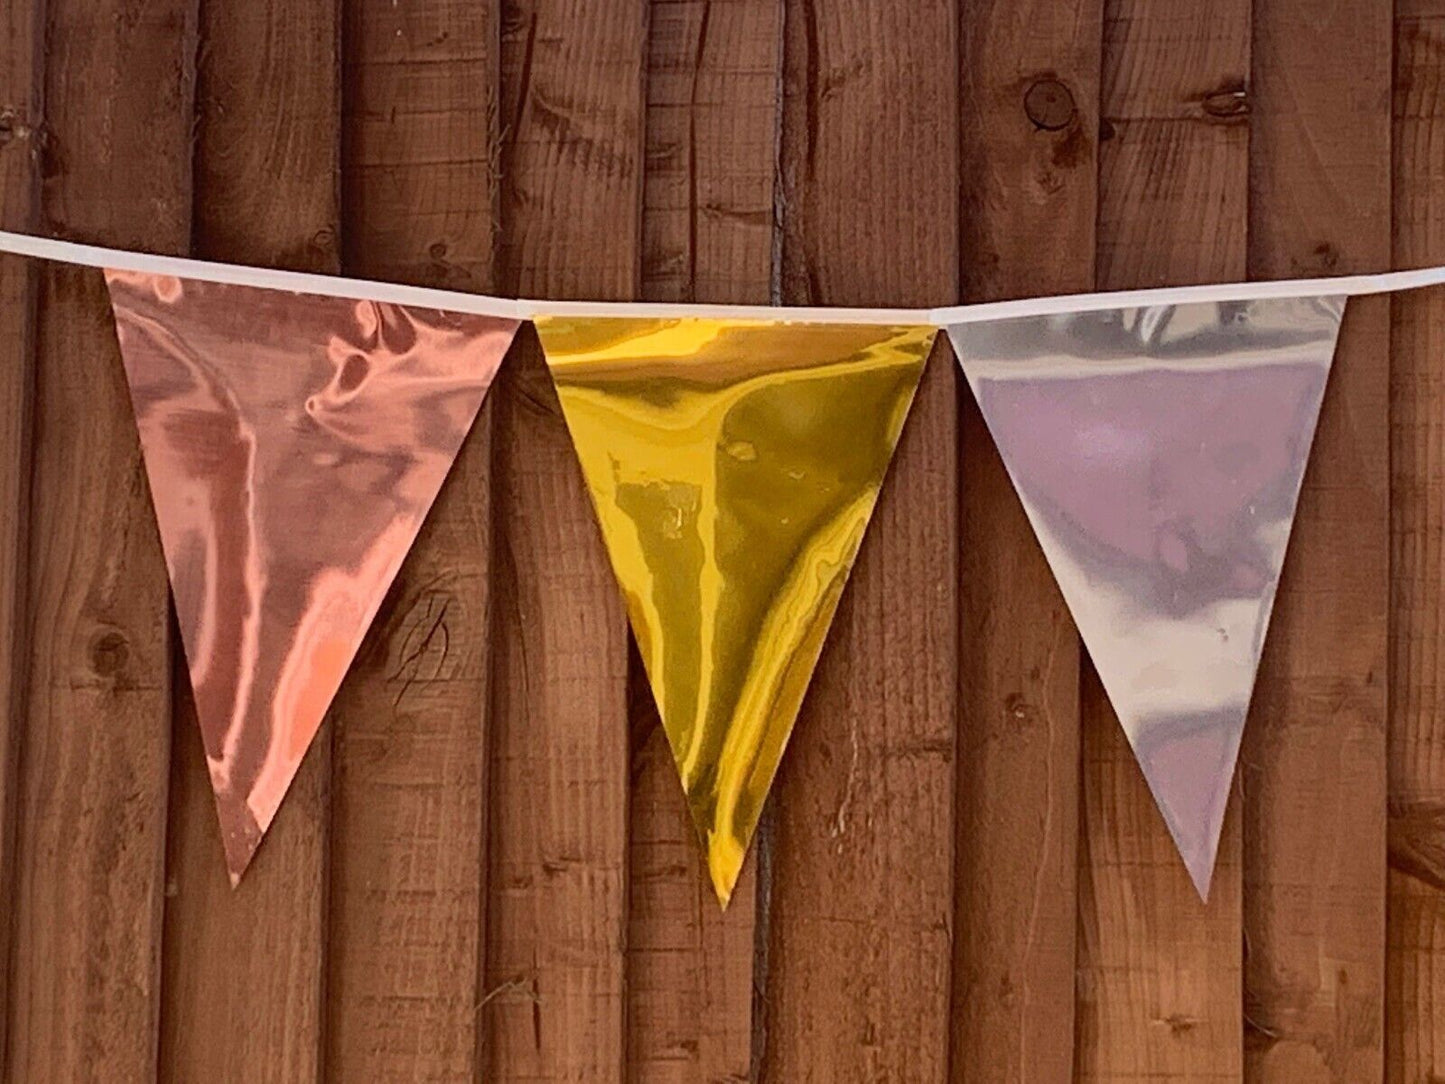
(46, 248)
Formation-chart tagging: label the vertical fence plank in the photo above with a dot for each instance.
(1159, 971)
(712, 116)
(20, 149)
(1314, 757)
(1028, 153)
(862, 897)
(712, 148)
(1415, 1008)
(408, 823)
(572, 176)
(243, 968)
(420, 169)
(88, 896)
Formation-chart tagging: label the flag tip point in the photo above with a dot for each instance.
(724, 878)
(239, 853)
(1201, 872)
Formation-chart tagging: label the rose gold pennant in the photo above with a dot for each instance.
(294, 444)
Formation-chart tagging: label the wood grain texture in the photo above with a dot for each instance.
(1415, 995)
(1314, 758)
(513, 890)
(88, 891)
(572, 168)
(713, 91)
(420, 174)
(408, 816)
(689, 965)
(713, 86)
(860, 923)
(1028, 154)
(21, 140)
(242, 998)
(1159, 970)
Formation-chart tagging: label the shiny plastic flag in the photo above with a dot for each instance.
(293, 443)
(1159, 454)
(734, 466)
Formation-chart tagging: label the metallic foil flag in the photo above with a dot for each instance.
(734, 465)
(1159, 454)
(294, 444)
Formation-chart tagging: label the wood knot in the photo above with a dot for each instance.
(323, 241)
(1327, 257)
(1050, 105)
(14, 126)
(109, 653)
(1228, 103)
(1179, 1023)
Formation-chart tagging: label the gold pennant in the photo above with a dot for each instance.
(734, 466)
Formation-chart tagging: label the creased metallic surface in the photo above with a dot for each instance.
(293, 445)
(1159, 454)
(734, 466)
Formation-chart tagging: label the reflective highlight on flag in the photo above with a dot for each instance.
(734, 466)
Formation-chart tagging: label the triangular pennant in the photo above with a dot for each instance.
(1159, 454)
(734, 466)
(294, 444)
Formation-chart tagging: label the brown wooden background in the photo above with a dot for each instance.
(484, 871)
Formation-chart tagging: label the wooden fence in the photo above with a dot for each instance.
(485, 870)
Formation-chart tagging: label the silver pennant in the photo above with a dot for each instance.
(1159, 454)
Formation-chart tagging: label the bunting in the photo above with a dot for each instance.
(734, 467)
(1158, 452)
(296, 430)
(293, 444)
